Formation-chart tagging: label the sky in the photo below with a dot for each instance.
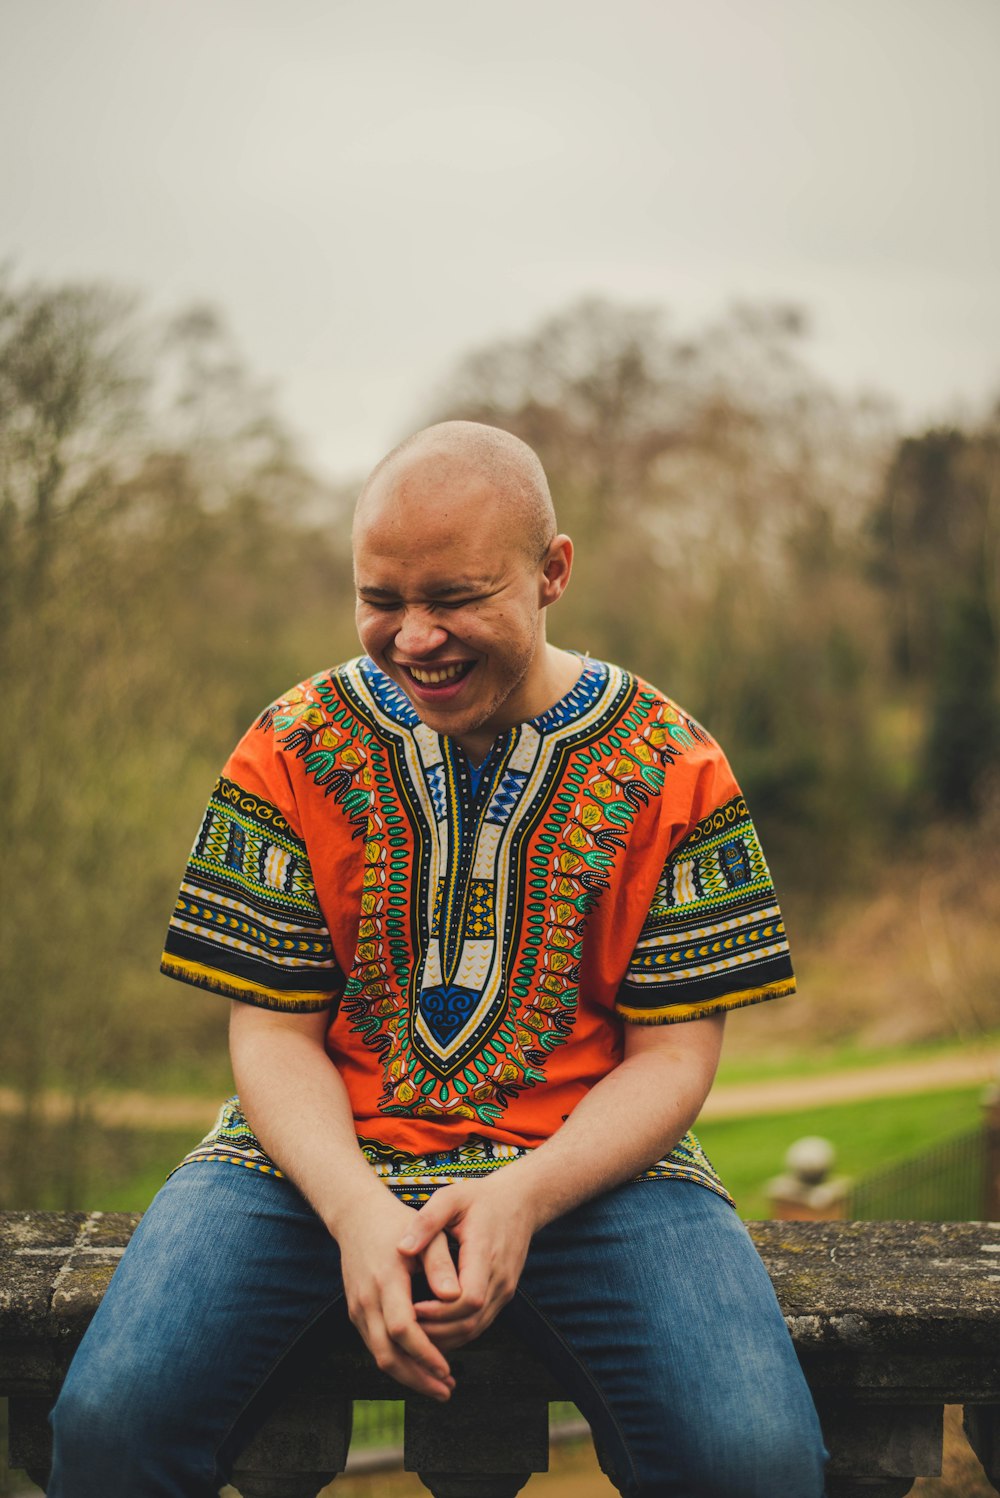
(369, 188)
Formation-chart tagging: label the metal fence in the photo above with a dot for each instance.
(945, 1184)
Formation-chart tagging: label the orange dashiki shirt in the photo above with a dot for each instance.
(479, 934)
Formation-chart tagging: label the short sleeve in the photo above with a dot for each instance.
(713, 938)
(247, 923)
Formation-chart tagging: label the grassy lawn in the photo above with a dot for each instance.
(115, 1170)
(820, 1060)
(121, 1169)
(747, 1152)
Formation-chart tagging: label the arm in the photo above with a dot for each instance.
(631, 1117)
(297, 1105)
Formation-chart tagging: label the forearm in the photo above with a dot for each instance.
(630, 1119)
(296, 1103)
(627, 1121)
(298, 1106)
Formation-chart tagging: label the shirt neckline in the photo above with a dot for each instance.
(581, 695)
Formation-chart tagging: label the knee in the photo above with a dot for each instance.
(88, 1435)
(108, 1440)
(780, 1452)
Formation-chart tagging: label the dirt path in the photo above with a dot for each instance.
(130, 1110)
(792, 1094)
(727, 1100)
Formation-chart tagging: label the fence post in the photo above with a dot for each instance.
(991, 1131)
(807, 1192)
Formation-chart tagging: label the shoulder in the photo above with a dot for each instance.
(676, 731)
(310, 702)
(311, 743)
(667, 727)
(671, 751)
(306, 735)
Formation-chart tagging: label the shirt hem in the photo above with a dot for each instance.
(676, 1013)
(298, 1001)
(415, 1190)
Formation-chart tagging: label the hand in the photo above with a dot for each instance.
(492, 1223)
(378, 1286)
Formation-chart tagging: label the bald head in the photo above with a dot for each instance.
(504, 467)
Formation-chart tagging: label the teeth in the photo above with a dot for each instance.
(434, 678)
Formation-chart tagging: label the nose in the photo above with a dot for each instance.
(419, 635)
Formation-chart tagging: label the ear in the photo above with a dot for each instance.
(557, 564)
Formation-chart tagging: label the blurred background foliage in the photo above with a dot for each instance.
(818, 587)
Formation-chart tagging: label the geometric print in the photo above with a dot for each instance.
(497, 917)
(478, 936)
(713, 919)
(722, 855)
(413, 1178)
(506, 796)
(248, 892)
(478, 916)
(231, 1138)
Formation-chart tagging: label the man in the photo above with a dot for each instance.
(481, 906)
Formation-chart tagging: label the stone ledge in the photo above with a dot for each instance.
(891, 1321)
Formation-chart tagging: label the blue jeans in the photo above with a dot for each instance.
(650, 1303)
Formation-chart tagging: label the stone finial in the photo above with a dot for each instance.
(807, 1191)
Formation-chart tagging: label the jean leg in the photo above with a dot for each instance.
(653, 1306)
(225, 1272)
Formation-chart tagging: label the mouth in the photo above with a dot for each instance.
(433, 676)
(435, 683)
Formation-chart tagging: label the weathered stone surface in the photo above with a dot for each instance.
(298, 1450)
(891, 1321)
(899, 1285)
(982, 1426)
(842, 1285)
(54, 1269)
(439, 1438)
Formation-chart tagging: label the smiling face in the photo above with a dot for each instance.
(451, 602)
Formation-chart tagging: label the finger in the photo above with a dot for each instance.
(474, 1275)
(431, 1219)
(439, 1270)
(449, 1337)
(454, 1331)
(405, 1333)
(413, 1372)
(440, 1311)
(414, 1375)
(391, 1359)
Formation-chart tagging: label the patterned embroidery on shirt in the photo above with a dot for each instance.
(487, 901)
(248, 892)
(714, 916)
(466, 1007)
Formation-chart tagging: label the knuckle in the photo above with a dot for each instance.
(384, 1359)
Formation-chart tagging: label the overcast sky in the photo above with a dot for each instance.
(367, 188)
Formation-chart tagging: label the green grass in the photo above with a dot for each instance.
(737, 1066)
(114, 1170)
(121, 1169)
(747, 1152)
(379, 1422)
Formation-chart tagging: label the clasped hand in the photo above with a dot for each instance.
(386, 1247)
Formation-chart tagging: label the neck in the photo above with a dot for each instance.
(561, 676)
